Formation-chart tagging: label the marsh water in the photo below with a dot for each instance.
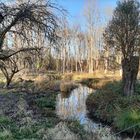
(73, 107)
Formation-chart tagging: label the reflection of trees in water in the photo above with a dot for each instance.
(74, 106)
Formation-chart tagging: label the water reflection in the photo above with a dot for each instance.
(74, 107)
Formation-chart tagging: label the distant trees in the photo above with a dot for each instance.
(71, 47)
(90, 42)
(123, 34)
(32, 36)
(20, 18)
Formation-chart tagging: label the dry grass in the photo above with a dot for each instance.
(67, 76)
(66, 87)
(52, 81)
(96, 74)
(40, 83)
(48, 85)
(99, 83)
(39, 80)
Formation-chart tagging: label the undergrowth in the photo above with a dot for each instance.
(109, 105)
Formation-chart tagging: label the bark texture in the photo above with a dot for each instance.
(129, 76)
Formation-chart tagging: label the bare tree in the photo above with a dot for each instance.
(9, 68)
(92, 17)
(18, 19)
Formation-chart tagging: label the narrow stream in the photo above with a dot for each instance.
(74, 108)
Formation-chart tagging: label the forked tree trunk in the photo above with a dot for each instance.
(129, 76)
(7, 84)
(9, 79)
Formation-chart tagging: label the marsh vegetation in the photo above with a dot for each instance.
(61, 80)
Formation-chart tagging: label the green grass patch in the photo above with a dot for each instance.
(128, 120)
(18, 128)
(4, 120)
(6, 135)
(10, 130)
(47, 101)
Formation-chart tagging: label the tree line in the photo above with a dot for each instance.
(33, 36)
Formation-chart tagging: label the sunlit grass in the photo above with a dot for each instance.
(95, 74)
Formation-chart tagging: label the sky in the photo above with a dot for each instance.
(76, 8)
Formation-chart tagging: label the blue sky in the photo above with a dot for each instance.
(76, 6)
(76, 9)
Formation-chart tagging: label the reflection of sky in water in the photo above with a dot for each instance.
(74, 107)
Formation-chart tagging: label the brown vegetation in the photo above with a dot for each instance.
(66, 87)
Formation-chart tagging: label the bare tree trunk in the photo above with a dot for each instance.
(129, 76)
(8, 81)
(91, 55)
(97, 64)
(106, 66)
(80, 65)
(64, 60)
(8, 76)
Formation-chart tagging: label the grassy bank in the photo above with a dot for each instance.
(109, 105)
(33, 116)
(29, 116)
(27, 111)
